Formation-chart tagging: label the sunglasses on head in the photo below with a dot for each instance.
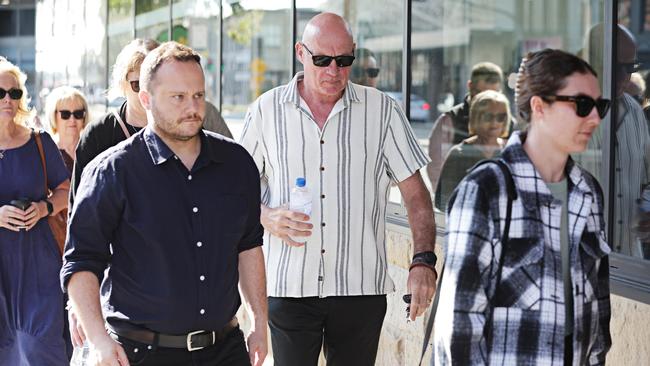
(135, 85)
(77, 113)
(14, 93)
(324, 61)
(584, 104)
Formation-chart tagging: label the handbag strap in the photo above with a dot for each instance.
(122, 124)
(512, 195)
(41, 151)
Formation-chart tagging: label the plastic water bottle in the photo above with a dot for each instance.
(81, 356)
(300, 201)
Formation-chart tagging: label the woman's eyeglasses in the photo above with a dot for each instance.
(135, 85)
(371, 72)
(324, 61)
(584, 104)
(14, 93)
(77, 113)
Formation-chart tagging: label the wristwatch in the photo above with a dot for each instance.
(50, 207)
(425, 259)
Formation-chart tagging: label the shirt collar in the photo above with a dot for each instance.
(529, 182)
(291, 95)
(160, 152)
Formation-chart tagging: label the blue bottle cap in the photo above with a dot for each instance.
(300, 182)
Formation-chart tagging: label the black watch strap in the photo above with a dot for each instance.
(50, 207)
(427, 259)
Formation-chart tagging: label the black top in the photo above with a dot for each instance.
(459, 115)
(172, 237)
(98, 136)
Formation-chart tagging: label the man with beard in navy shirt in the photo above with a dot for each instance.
(175, 212)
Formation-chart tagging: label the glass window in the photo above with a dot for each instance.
(8, 19)
(449, 38)
(27, 19)
(254, 60)
(196, 23)
(120, 27)
(152, 19)
(631, 163)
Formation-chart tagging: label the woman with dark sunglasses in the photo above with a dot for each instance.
(31, 301)
(127, 120)
(67, 111)
(489, 124)
(529, 285)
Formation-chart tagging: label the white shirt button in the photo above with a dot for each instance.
(202, 311)
(189, 177)
(202, 278)
(195, 209)
(199, 244)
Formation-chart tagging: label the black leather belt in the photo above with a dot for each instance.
(193, 341)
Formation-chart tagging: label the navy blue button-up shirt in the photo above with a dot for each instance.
(175, 234)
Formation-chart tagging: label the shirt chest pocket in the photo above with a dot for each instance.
(593, 247)
(521, 276)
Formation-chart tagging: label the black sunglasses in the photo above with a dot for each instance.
(584, 104)
(371, 72)
(324, 61)
(135, 85)
(77, 113)
(14, 93)
(498, 117)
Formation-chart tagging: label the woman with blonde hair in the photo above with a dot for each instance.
(127, 120)
(66, 110)
(489, 123)
(31, 301)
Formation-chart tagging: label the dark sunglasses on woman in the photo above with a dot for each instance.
(324, 61)
(14, 93)
(77, 113)
(584, 104)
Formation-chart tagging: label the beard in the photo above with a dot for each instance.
(181, 129)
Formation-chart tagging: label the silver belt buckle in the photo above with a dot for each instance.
(189, 340)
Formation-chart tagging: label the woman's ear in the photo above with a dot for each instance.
(537, 106)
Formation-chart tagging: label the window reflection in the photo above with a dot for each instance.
(196, 23)
(631, 138)
(257, 54)
(152, 19)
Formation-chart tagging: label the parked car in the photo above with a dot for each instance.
(420, 109)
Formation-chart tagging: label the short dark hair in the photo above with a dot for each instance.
(489, 72)
(168, 51)
(544, 73)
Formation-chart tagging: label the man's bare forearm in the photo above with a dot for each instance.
(252, 282)
(83, 289)
(420, 213)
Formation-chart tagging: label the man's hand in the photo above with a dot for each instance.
(107, 352)
(422, 286)
(282, 222)
(257, 346)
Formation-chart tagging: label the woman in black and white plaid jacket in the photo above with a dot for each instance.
(551, 304)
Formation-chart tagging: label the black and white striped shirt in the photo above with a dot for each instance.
(365, 144)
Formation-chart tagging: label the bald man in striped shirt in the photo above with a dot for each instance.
(327, 272)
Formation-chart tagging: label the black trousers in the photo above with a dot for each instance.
(347, 327)
(231, 351)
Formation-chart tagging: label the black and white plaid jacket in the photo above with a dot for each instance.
(528, 310)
